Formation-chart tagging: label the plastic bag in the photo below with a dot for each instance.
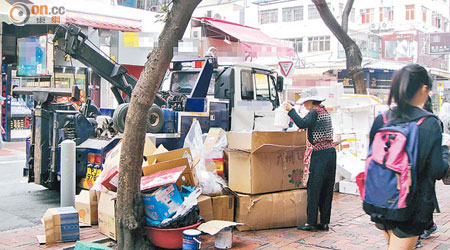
(210, 183)
(190, 218)
(217, 150)
(194, 141)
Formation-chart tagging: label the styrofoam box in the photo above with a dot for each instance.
(348, 187)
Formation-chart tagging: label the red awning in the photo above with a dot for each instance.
(253, 40)
(103, 22)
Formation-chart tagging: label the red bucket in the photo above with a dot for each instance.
(171, 238)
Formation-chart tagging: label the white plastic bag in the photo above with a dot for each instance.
(210, 183)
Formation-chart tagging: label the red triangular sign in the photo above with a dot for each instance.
(286, 67)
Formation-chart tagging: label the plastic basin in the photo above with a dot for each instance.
(168, 238)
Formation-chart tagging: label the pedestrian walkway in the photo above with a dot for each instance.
(13, 149)
(350, 229)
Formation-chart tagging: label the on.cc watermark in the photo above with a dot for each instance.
(22, 13)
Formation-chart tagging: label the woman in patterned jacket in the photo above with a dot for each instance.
(321, 157)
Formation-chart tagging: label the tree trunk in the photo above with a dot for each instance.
(130, 220)
(352, 52)
(345, 14)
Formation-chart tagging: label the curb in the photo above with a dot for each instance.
(13, 158)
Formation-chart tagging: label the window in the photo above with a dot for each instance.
(352, 15)
(386, 14)
(268, 16)
(409, 12)
(318, 43)
(424, 14)
(184, 81)
(367, 16)
(246, 85)
(293, 14)
(297, 43)
(313, 13)
(262, 86)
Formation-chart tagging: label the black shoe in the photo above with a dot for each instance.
(308, 228)
(428, 232)
(323, 227)
(418, 244)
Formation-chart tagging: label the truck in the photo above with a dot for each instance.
(233, 97)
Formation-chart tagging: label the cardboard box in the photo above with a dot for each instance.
(86, 205)
(275, 210)
(169, 160)
(348, 187)
(214, 134)
(107, 215)
(61, 225)
(205, 206)
(163, 203)
(111, 178)
(264, 162)
(223, 207)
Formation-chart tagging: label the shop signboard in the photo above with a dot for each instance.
(399, 47)
(32, 56)
(21, 123)
(440, 43)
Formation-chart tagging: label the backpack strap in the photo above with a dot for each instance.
(384, 117)
(423, 118)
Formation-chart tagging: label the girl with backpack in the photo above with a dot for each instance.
(320, 158)
(400, 201)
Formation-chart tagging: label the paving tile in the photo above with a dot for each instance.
(442, 246)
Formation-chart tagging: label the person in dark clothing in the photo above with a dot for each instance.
(432, 225)
(409, 90)
(322, 161)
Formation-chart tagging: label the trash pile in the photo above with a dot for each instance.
(221, 179)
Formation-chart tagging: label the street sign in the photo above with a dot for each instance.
(440, 87)
(286, 68)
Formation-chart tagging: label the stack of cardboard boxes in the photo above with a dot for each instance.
(266, 170)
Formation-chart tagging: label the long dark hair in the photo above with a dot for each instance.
(405, 84)
(428, 106)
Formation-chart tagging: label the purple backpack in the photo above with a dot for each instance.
(390, 175)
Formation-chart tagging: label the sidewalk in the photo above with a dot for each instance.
(13, 150)
(350, 229)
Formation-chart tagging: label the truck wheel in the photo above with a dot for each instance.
(155, 119)
(93, 110)
(119, 116)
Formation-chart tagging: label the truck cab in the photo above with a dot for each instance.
(250, 91)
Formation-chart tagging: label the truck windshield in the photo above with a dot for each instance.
(184, 81)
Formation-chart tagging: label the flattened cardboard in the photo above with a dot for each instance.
(214, 226)
(251, 141)
(187, 178)
(149, 147)
(107, 215)
(167, 156)
(274, 210)
(213, 136)
(161, 178)
(86, 205)
(205, 206)
(223, 207)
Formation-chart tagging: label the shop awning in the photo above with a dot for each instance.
(103, 22)
(252, 39)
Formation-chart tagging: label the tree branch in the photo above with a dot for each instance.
(345, 14)
(331, 22)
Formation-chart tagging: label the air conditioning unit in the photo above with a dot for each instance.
(196, 32)
(373, 26)
(385, 26)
